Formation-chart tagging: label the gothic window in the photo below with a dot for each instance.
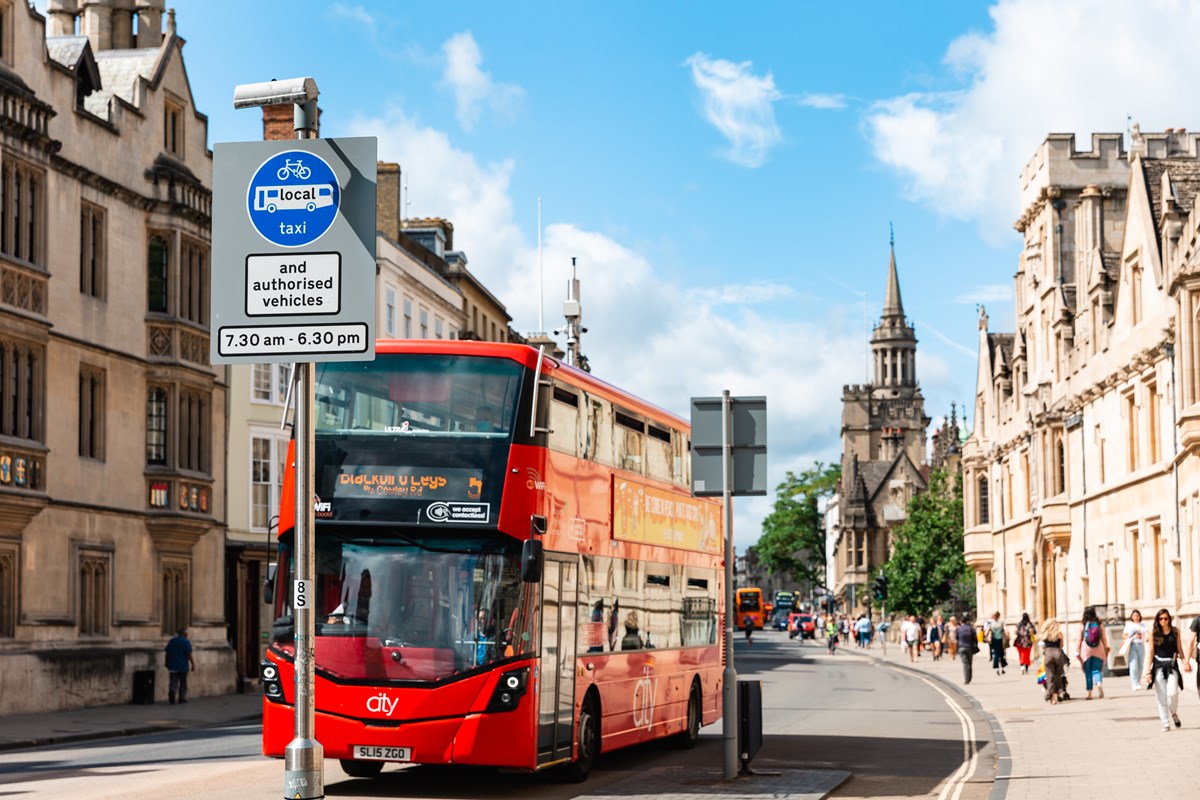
(92, 248)
(21, 211)
(157, 274)
(982, 484)
(156, 425)
(21, 397)
(1059, 473)
(176, 596)
(194, 431)
(193, 282)
(8, 592)
(1131, 431)
(91, 413)
(95, 579)
(173, 128)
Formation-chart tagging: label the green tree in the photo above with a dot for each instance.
(793, 534)
(927, 568)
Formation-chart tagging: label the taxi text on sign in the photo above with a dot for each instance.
(293, 264)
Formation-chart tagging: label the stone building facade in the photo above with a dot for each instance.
(112, 422)
(1081, 476)
(883, 455)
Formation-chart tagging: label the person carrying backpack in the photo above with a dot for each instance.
(1024, 641)
(1093, 651)
(997, 638)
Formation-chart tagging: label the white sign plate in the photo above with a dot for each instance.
(286, 284)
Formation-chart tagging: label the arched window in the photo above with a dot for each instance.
(156, 272)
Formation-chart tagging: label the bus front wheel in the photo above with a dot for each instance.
(587, 743)
(361, 769)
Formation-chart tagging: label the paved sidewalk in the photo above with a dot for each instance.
(1087, 749)
(32, 730)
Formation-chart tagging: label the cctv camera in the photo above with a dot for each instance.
(275, 93)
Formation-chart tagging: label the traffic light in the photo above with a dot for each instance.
(880, 587)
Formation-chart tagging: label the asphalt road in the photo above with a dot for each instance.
(895, 731)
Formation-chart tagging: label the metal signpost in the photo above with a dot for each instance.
(729, 457)
(293, 280)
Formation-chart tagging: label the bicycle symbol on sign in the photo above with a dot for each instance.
(295, 168)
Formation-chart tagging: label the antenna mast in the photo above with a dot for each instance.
(573, 311)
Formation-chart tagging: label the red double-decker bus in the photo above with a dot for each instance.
(510, 569)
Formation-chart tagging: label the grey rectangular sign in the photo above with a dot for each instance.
(293, 256)
(749, 440)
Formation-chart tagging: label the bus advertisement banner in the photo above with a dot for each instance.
(648, 515)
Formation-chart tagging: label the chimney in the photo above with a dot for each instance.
(387, 200)
(97, 24)
(279, 122)
(122, 24)
(62, 17)
(149, 14)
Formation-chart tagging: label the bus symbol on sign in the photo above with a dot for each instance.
(293, 198)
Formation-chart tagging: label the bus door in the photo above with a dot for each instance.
(556, 687)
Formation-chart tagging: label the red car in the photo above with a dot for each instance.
(802, 625)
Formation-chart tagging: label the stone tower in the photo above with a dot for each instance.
(883, 452)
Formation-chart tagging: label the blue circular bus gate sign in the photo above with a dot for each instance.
(293, 198)
(293, 251)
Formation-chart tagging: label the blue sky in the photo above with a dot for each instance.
(724, 174)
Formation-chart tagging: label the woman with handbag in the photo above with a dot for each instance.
(1134, 648)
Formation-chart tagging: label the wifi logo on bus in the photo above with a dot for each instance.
(533, 480)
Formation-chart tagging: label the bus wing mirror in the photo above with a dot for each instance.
(531, 561)
(269, 586)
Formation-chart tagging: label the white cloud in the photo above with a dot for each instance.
(823, 101)
(664, 341)
(741, 294)
(473, 88)
(988, 293)
(1044, 67)
(354, 13)
(740, 105)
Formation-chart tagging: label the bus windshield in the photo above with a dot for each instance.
(413, 609)
(418, 394)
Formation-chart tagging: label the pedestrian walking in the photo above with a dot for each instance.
(910, 632)
(997, 639)
(933, 635)
(968, 646)
(1023, 641)
(1054, 661)
(1133, 647)
(1092, 651)
(1164, 675)
(179, 662)
(950, 634)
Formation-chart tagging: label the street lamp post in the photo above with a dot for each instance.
(304, 758)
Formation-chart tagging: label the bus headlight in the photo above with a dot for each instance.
(509, 690)
(272, 688)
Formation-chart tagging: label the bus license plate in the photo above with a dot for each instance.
(373, 753)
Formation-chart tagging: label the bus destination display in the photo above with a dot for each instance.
(408, 483)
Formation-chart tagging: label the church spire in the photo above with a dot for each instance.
(893, 306)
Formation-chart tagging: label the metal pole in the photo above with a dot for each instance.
(304, 758)
(729, 711)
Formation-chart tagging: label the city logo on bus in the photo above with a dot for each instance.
(293, 198)
(381, 704)
(643, 700)
(477, 513)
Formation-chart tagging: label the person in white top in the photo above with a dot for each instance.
(1134, 646)
(910, 631)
